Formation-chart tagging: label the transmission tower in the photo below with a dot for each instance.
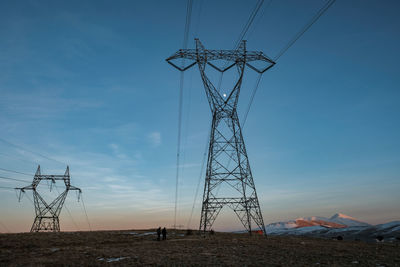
(227, 164)
(47, 215)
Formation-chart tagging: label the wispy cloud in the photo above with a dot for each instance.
(36, 105)
(117, 152)
(154, 138)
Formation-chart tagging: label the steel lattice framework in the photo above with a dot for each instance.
(227, 163)
(47, 215)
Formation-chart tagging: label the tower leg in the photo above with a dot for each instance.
(36, 224)
(228, 167)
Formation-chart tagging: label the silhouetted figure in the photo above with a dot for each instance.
(339, 237)
(158, 233)
(164, 234)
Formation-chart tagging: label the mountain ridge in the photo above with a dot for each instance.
(338, 220)
(339, 224)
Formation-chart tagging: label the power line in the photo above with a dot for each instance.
(30, 199)
(30, 151)
(243, 33)
(6, 170)
(185, 41)
(69, 213)
(285, 48)
(188, 98)
(72, 219)
(305, 28)
(5, 227)
(248, 23)
(263, 12)
(84, 209)
(6, 187)
(17, 157)
(186, 125)
(187, 24)
(251, 99)
(196, 30)
(200, 9)
(199, 180)
(179, 144)
(14, 179)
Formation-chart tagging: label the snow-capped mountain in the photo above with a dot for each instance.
(338, 220)
(344, 219)
(339, 224)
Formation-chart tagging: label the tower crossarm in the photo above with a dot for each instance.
(74, 188)
(209, 55)
(53, 177)
(79, 191)
(240, 57)
(233, 56)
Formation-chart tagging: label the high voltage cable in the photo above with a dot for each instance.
(305, 28)
(187, 112)
(69, 213)
(72, 219)
(291, 42)
(248, 23)
(5, 227)
(84, 209)
(246, 27)
(187, 24)
(259, 19)
(196, 28)
(17, 172)
(185, 40)
(30, 199)
(14, 179)
(13, 157)
(199, 180)
(30, 151)
(6, 187)
(20, 180)
(179, 144)
(251, 99)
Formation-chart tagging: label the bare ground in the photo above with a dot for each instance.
(138, 248)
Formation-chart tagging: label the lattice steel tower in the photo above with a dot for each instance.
(227, 164)
(47, 215)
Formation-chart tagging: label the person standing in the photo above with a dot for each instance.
(164, 234)
(158, 233)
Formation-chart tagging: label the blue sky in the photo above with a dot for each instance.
(87, 84)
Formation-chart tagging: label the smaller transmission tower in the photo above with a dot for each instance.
(46, 219)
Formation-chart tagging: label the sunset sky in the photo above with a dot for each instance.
(85, 84)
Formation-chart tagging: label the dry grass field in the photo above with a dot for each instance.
(140, 247)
